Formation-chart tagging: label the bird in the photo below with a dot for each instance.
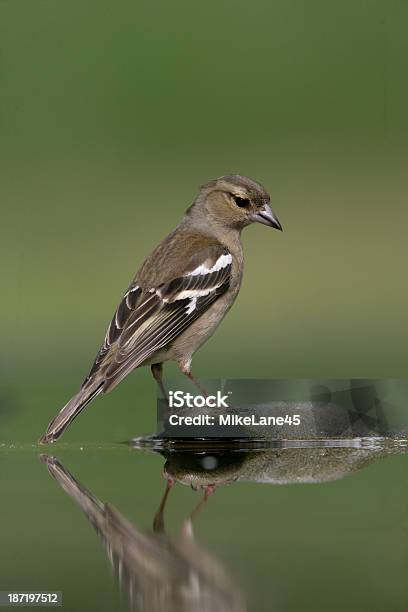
(180, 294)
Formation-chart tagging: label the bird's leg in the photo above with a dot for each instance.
(208, 490)
(185, 368)
(187, 528)
(158, 521)
(157, 372)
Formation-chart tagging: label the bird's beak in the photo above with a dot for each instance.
(266, 216)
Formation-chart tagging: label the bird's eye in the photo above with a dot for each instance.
(241, 202)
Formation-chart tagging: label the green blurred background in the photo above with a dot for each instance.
(112, 115)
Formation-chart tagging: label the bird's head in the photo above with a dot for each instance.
(236, 201)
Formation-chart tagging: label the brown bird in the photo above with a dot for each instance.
(180, 294)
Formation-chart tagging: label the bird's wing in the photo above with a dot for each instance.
(148, 320)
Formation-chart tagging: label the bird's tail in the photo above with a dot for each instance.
(68, 413)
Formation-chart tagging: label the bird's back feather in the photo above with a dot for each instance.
(148, 319)
(71, 410)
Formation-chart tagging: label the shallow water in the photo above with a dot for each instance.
(87, 521)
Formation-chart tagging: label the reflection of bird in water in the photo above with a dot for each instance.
(159, 573)
(280, 465)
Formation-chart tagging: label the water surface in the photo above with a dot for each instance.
(306, 525)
